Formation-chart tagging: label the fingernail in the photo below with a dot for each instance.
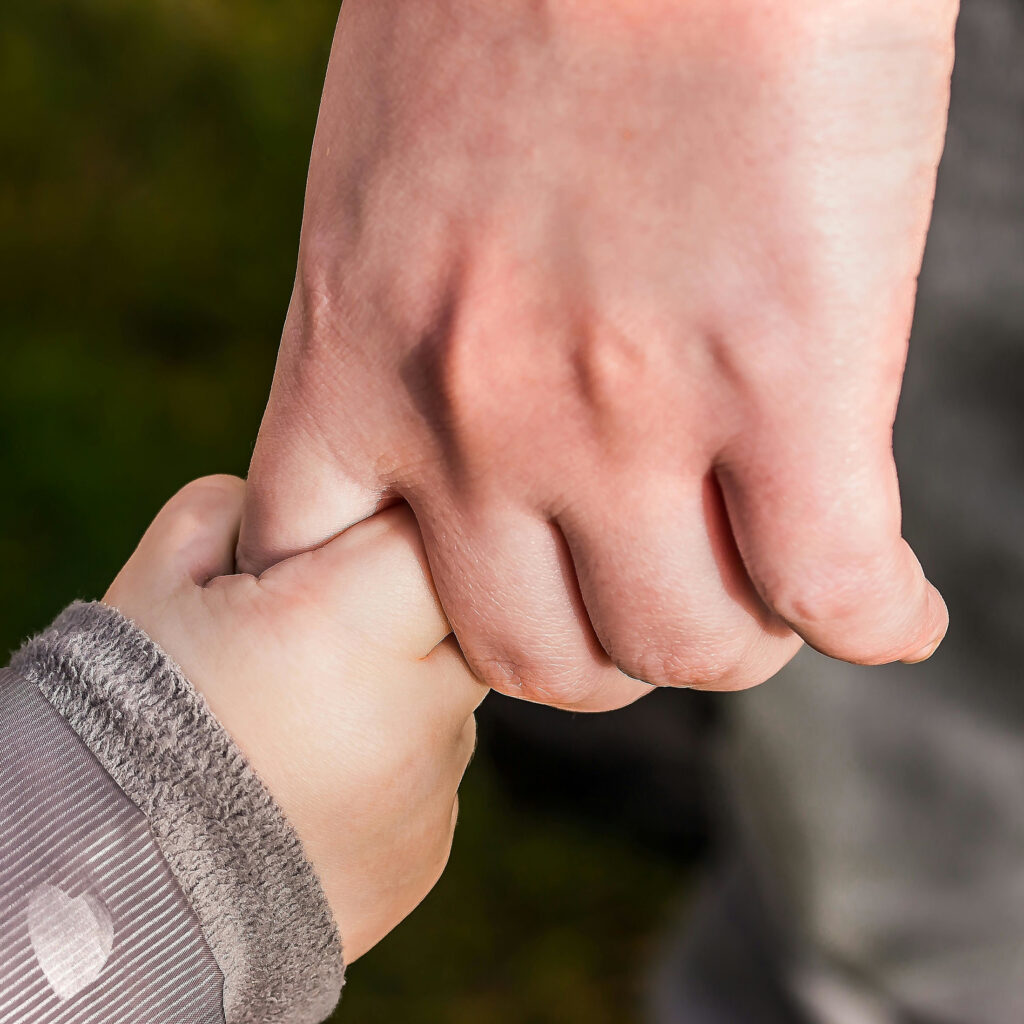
(924, 654)
(637, 679)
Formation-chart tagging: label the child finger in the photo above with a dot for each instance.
(374, 575)
(453, 693)
(194, 535)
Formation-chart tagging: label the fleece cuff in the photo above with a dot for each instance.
(228, 844)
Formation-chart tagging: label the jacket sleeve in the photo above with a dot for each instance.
(146, 874)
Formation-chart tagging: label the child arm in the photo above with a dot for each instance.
(176, 845)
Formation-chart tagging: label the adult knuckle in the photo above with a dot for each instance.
(562, 690)
(556, 685)
(497, 673)
(715, 667)
(610, 365)
(621, 380)
(693, 665)
(838, 591)
(461, 371)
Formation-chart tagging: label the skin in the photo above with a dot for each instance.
(365, 748)
(616, 296)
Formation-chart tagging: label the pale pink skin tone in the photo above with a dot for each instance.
(334, 676)
(616, 294)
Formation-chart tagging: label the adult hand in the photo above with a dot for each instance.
(616, 295)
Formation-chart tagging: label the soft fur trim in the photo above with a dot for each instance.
(227, 842)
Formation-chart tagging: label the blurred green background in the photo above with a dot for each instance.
(153, 159)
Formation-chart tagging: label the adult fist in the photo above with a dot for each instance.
(616, 295)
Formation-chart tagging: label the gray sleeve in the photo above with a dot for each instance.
(146, 874)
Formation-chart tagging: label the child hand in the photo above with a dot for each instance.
(336, 675)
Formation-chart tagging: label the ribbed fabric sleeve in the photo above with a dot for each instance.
(229, 846)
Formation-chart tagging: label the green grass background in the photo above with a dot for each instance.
(152, 163)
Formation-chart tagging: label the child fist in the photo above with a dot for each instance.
(336, 674)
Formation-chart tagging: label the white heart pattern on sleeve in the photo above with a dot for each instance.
(72, 938)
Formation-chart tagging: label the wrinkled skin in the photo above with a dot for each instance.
(617, 295)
